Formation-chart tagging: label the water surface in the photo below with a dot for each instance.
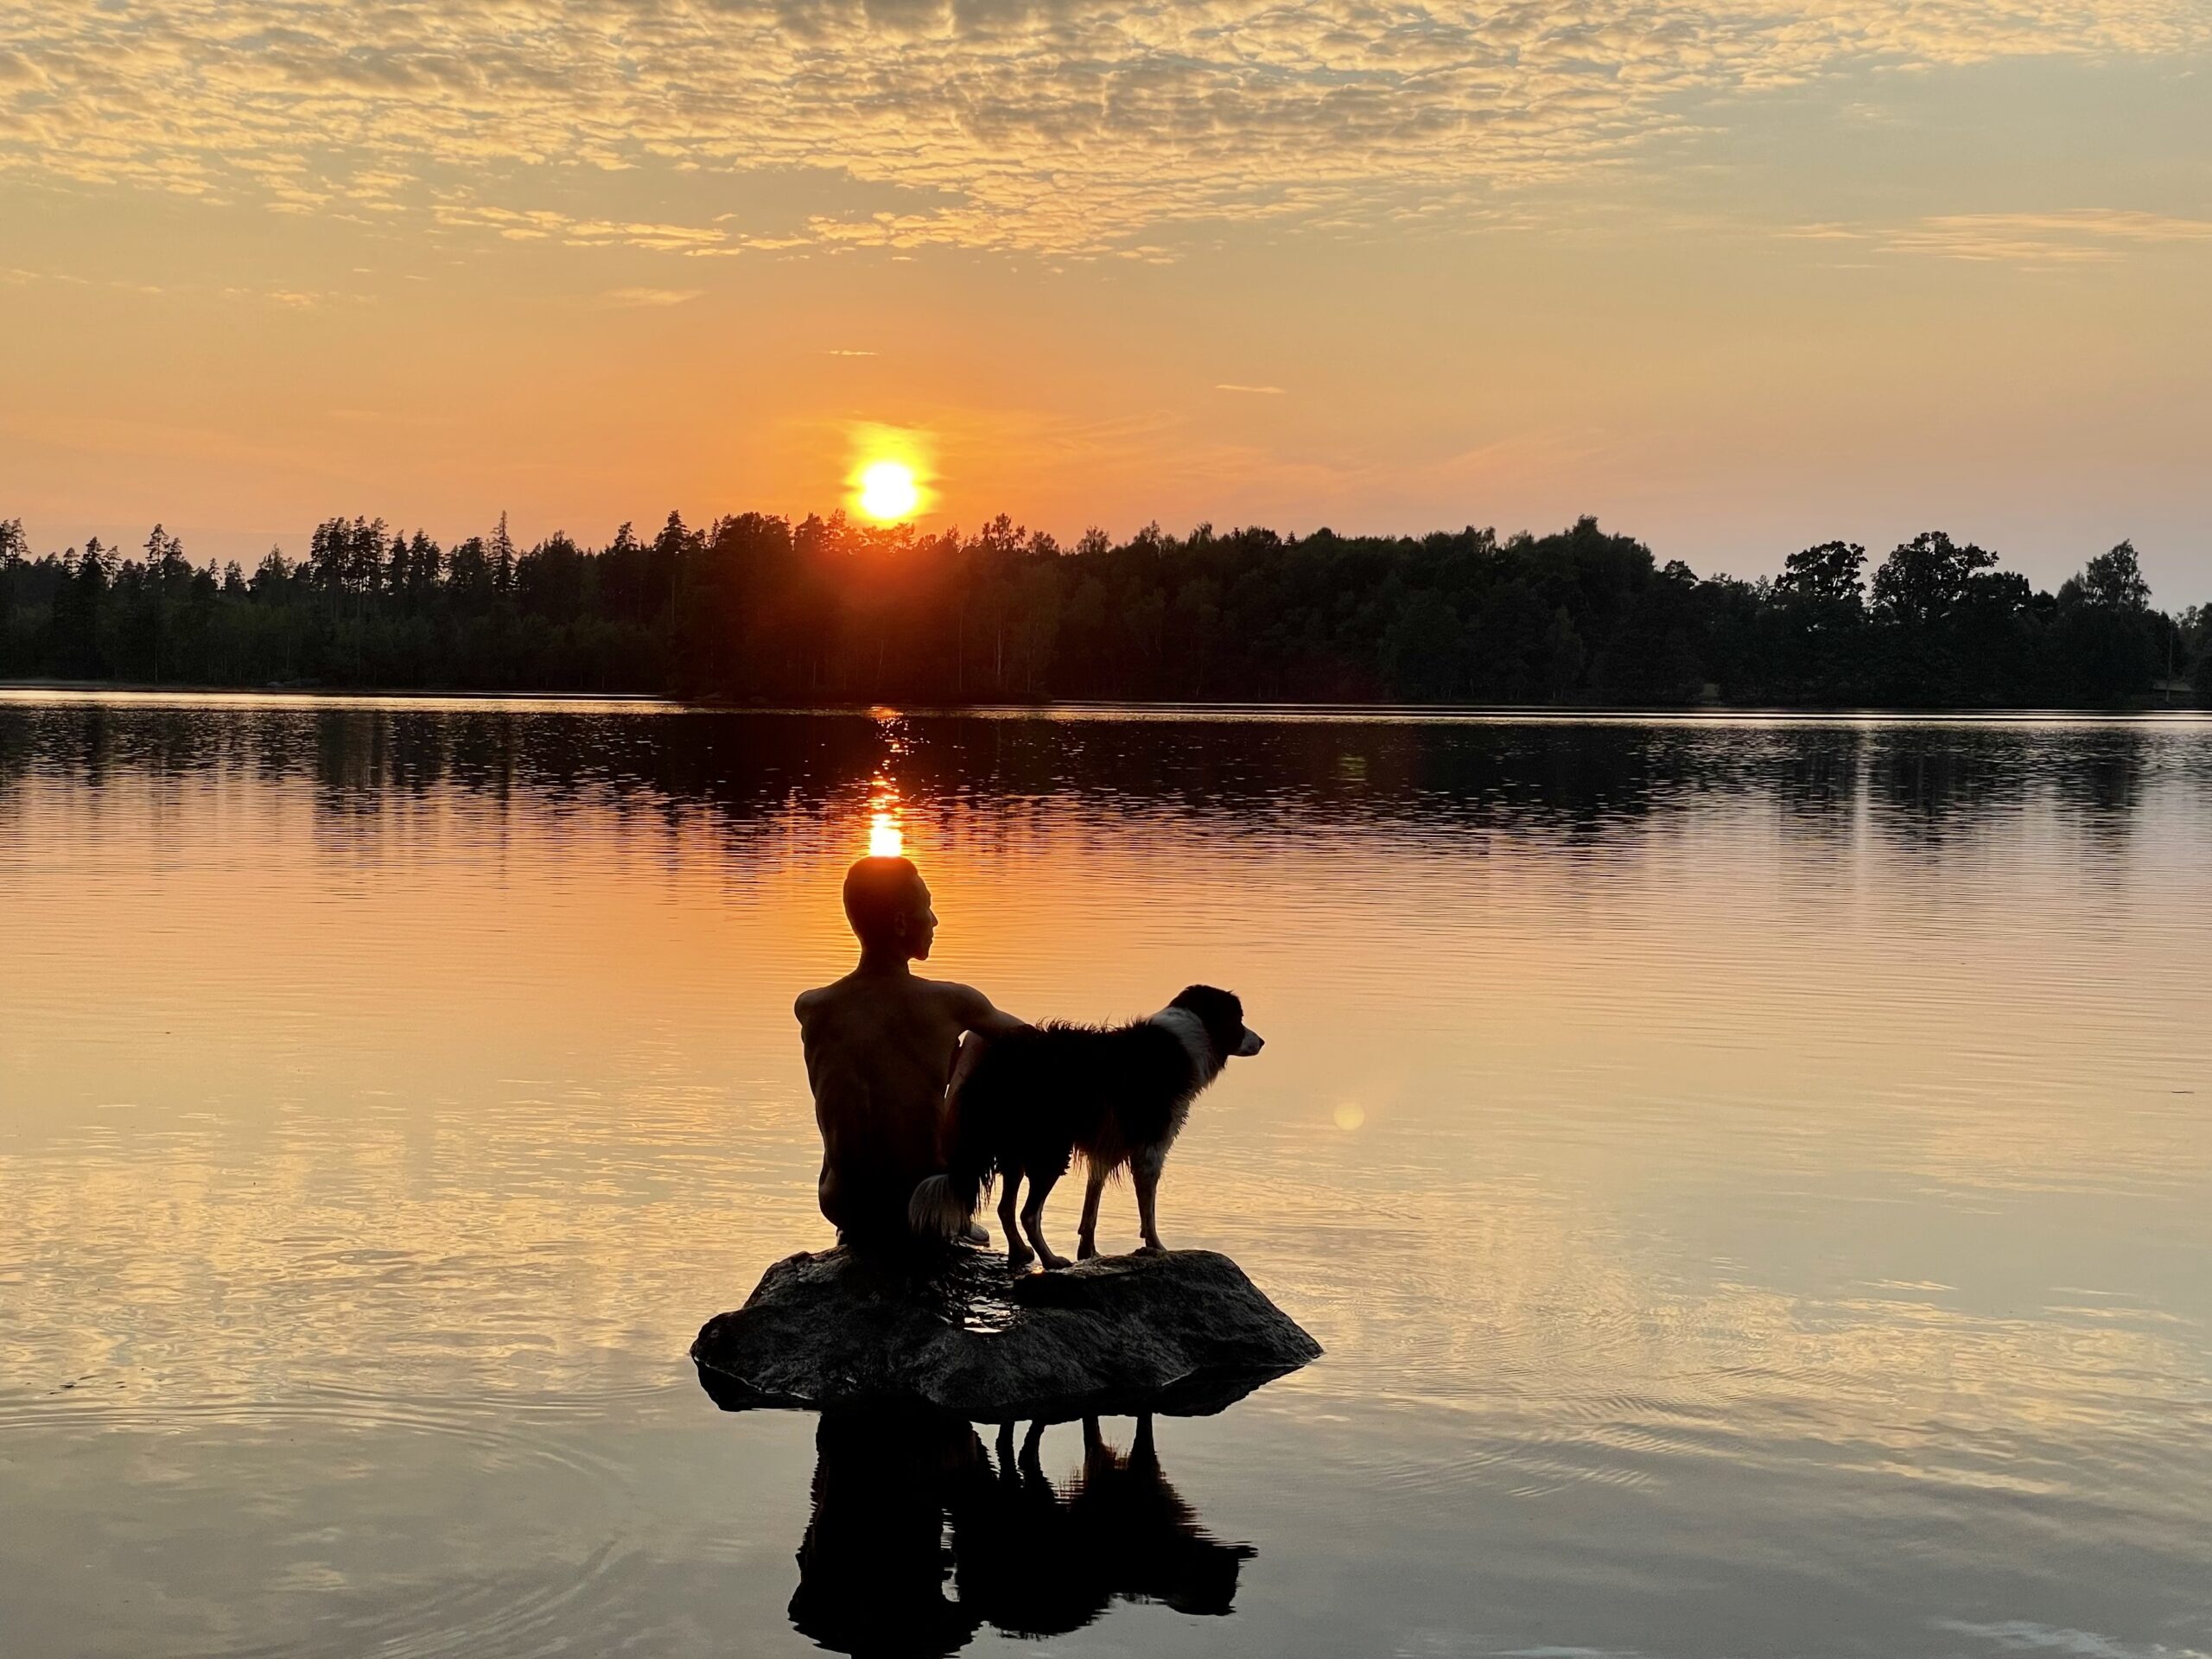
(1753, 1178)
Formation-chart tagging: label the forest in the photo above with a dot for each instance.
(759, 608)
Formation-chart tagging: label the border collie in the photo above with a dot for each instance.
(1118, 1095)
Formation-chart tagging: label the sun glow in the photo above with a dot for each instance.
(893, 467)
(888, 493)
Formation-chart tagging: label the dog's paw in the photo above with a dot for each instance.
(1051, 1260)
(1085, 1249)
(1154, 1247)
(1018, 1257)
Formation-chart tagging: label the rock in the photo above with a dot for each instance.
(1183, 1332)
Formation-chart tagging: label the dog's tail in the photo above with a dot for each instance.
(942, 1204)
(940, 1209)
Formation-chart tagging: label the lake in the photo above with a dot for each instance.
(1753, 1178)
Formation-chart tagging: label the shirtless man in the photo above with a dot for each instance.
(881, 1045)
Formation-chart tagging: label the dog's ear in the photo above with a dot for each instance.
(1222, 1012)
(1208, 999)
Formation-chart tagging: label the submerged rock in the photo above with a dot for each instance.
(1183, 1332)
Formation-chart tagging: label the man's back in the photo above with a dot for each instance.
(881, 1045)
(879, 1050)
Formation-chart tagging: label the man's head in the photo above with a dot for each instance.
(888, 905)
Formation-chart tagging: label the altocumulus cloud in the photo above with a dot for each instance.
(1066, 127)
(2082, 236)
(633, 298)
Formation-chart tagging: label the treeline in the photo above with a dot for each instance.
(824, 610)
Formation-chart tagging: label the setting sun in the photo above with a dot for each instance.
(888, 493)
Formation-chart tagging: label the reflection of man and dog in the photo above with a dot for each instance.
(925, 1095)
(1027, 1555)
(925, 1092)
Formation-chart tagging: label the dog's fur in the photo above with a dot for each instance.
(1118, 1095)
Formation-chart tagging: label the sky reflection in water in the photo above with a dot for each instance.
(1752, 1179)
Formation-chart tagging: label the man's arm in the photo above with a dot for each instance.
(975, 1013)
(979, 1023)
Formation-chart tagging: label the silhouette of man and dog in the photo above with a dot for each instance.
(925, 1092)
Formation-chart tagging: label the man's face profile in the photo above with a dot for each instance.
(921, 920)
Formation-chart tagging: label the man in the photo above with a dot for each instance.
(881, 1045)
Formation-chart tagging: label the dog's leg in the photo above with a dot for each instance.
(1033, 1216)
(1144, 1170)
(1086, 1242)
(1018, 1255)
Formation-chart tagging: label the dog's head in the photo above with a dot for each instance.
(1223, 1016)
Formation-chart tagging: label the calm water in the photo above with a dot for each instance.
(1753, 1178)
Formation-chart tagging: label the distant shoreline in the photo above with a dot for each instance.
(1079, 706)
(757, 611)
(423, 693)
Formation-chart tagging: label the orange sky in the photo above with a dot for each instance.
(1734, 278)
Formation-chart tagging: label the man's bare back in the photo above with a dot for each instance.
(881, 1045)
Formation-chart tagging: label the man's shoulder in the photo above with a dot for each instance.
(952, 993)
(860, 991)
(820, 999)
(872, 990)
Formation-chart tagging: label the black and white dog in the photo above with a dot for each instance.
(1118, 1095)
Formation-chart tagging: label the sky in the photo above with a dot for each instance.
(1734, 276)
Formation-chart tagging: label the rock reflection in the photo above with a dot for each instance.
(920, 1537)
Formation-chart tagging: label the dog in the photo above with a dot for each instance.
(1118, 1095)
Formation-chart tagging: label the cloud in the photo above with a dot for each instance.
(2082, 236)
(633, 298)
(1264, 392)
(2091, 235)
(2024, 1636)
(1061, 127)
(536, 225)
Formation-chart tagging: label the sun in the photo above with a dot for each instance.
(892, 470)
(888, 493)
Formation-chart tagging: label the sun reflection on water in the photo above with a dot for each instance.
(887, 830)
